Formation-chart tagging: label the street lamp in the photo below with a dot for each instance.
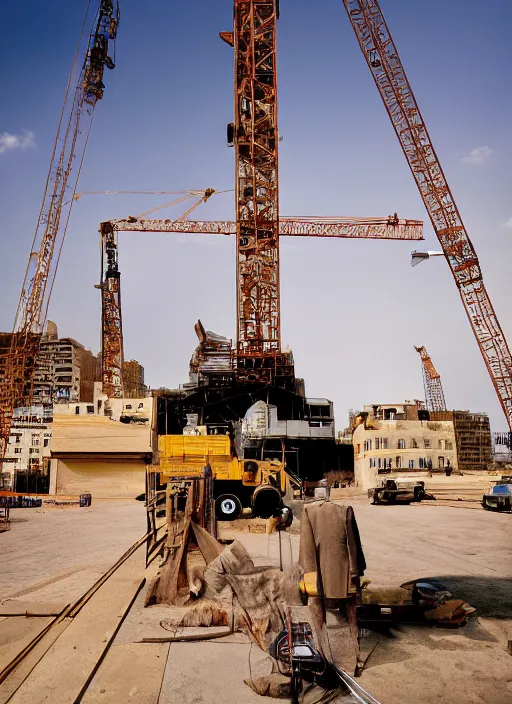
(418, 257)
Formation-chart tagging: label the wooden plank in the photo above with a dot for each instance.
(31, 608)
(17, 677)
(16, 633)
(130, 672)
(66, 670)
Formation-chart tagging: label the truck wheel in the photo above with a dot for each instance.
(228, 507)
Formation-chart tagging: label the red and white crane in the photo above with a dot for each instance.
(393, 85)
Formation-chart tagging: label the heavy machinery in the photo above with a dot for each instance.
(84, 88)
(396, 491)
(238, 483)
(434, 394)
(395, 90)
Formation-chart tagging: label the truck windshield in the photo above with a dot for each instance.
(503, 489)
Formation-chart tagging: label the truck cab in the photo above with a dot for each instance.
(238, 483)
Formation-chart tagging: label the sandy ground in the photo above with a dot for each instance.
(469, 550)
(56, 554)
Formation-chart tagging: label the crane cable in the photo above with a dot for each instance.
(204, 195)
(26, 284)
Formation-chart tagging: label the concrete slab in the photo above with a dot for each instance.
(130, 673)
(202, 673)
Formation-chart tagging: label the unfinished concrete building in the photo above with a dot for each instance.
(264, 420)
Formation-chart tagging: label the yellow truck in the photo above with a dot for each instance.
(238, 484)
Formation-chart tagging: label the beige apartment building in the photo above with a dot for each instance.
(400, 437)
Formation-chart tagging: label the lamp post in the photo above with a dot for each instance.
(418, 257)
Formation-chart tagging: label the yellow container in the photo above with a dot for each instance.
(182, 455)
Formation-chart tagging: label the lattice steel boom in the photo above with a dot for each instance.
(434, 394)
(390, 228)
(66, 161)
(385, 65)
(254, 135)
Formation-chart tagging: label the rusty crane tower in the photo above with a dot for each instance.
(255, 136)
(434, 394)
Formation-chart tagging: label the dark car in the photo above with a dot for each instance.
(392, 491)
(498, 498)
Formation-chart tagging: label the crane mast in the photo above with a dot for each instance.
(390, 78)
(65, 165)
(254, 136)
(434, 394)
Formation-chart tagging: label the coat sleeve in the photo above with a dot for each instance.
(307, 552)
(355, 549)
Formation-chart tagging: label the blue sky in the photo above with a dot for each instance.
(351, 310)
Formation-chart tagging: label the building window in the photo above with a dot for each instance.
(46, 442)
(427, 443)
(448, 445)
(398, 461)
(17, 450)
(90, 409)
(414, 443)
(379, 463)
(422, 463)
(372, 461)
(33, 451)
(439, 444)
(401, 444)
(411, 464)
(384, 443)
(77, 410)
(36, 441)
(33, 461)
(128, 406)
(358, 449)
(377, 443)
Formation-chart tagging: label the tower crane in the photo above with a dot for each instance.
(254, 135)
(434, 395)
(393, 85)
(73, 131)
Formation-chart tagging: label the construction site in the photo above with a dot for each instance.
(224, 536)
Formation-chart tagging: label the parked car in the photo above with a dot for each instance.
(394, 491)
(498, 498)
